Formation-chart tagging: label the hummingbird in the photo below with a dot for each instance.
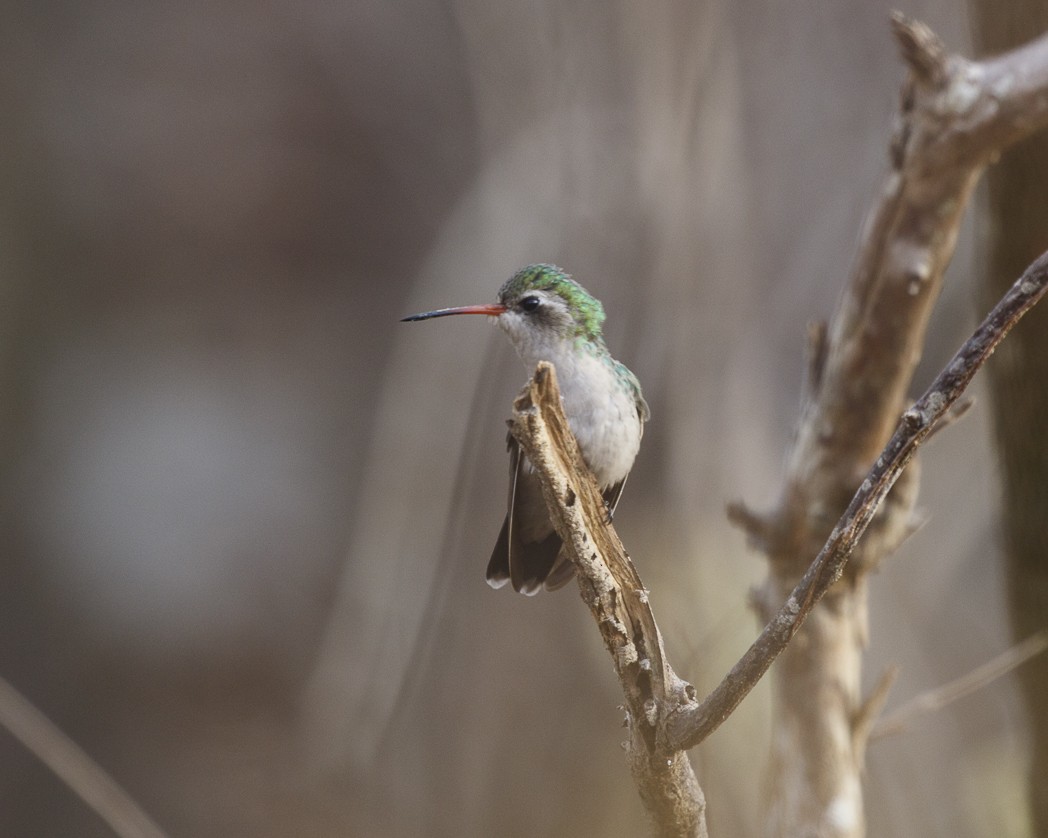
(550, 317)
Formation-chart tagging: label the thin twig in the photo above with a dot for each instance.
(689, 724)
(870, 710)
(85, 777)
(936, 699)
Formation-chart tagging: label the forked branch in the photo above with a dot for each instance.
(663, 716)
(955, 117)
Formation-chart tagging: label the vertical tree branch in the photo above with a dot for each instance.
(1016, 228)
(688, 723)
(954, 117)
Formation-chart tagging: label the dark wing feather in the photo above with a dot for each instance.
(525, 564)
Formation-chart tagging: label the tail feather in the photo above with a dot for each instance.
(498, 564)
(560, 574)
(526, 566)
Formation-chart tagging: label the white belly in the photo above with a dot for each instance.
(602, 412)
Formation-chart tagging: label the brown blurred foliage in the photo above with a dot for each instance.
(1014, 232)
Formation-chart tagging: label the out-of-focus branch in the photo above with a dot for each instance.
(955, 116)
(935, 700)
(1013, 229)
(76, 769)
(688, 724)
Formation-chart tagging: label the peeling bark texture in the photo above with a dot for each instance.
(955, 116)
(611, 588)
(1017, 229)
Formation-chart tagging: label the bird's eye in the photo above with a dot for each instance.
(529, 303)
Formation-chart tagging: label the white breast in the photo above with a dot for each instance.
(601, 410)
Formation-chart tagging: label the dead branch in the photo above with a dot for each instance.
(935, 700)
(85, 777)
(955, 117)
(691, 723)
(615, 595)
(663, 716)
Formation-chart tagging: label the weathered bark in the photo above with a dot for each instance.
(615, 595)
(955, 116)
(1018, 229)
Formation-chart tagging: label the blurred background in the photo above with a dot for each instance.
(246, 513)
